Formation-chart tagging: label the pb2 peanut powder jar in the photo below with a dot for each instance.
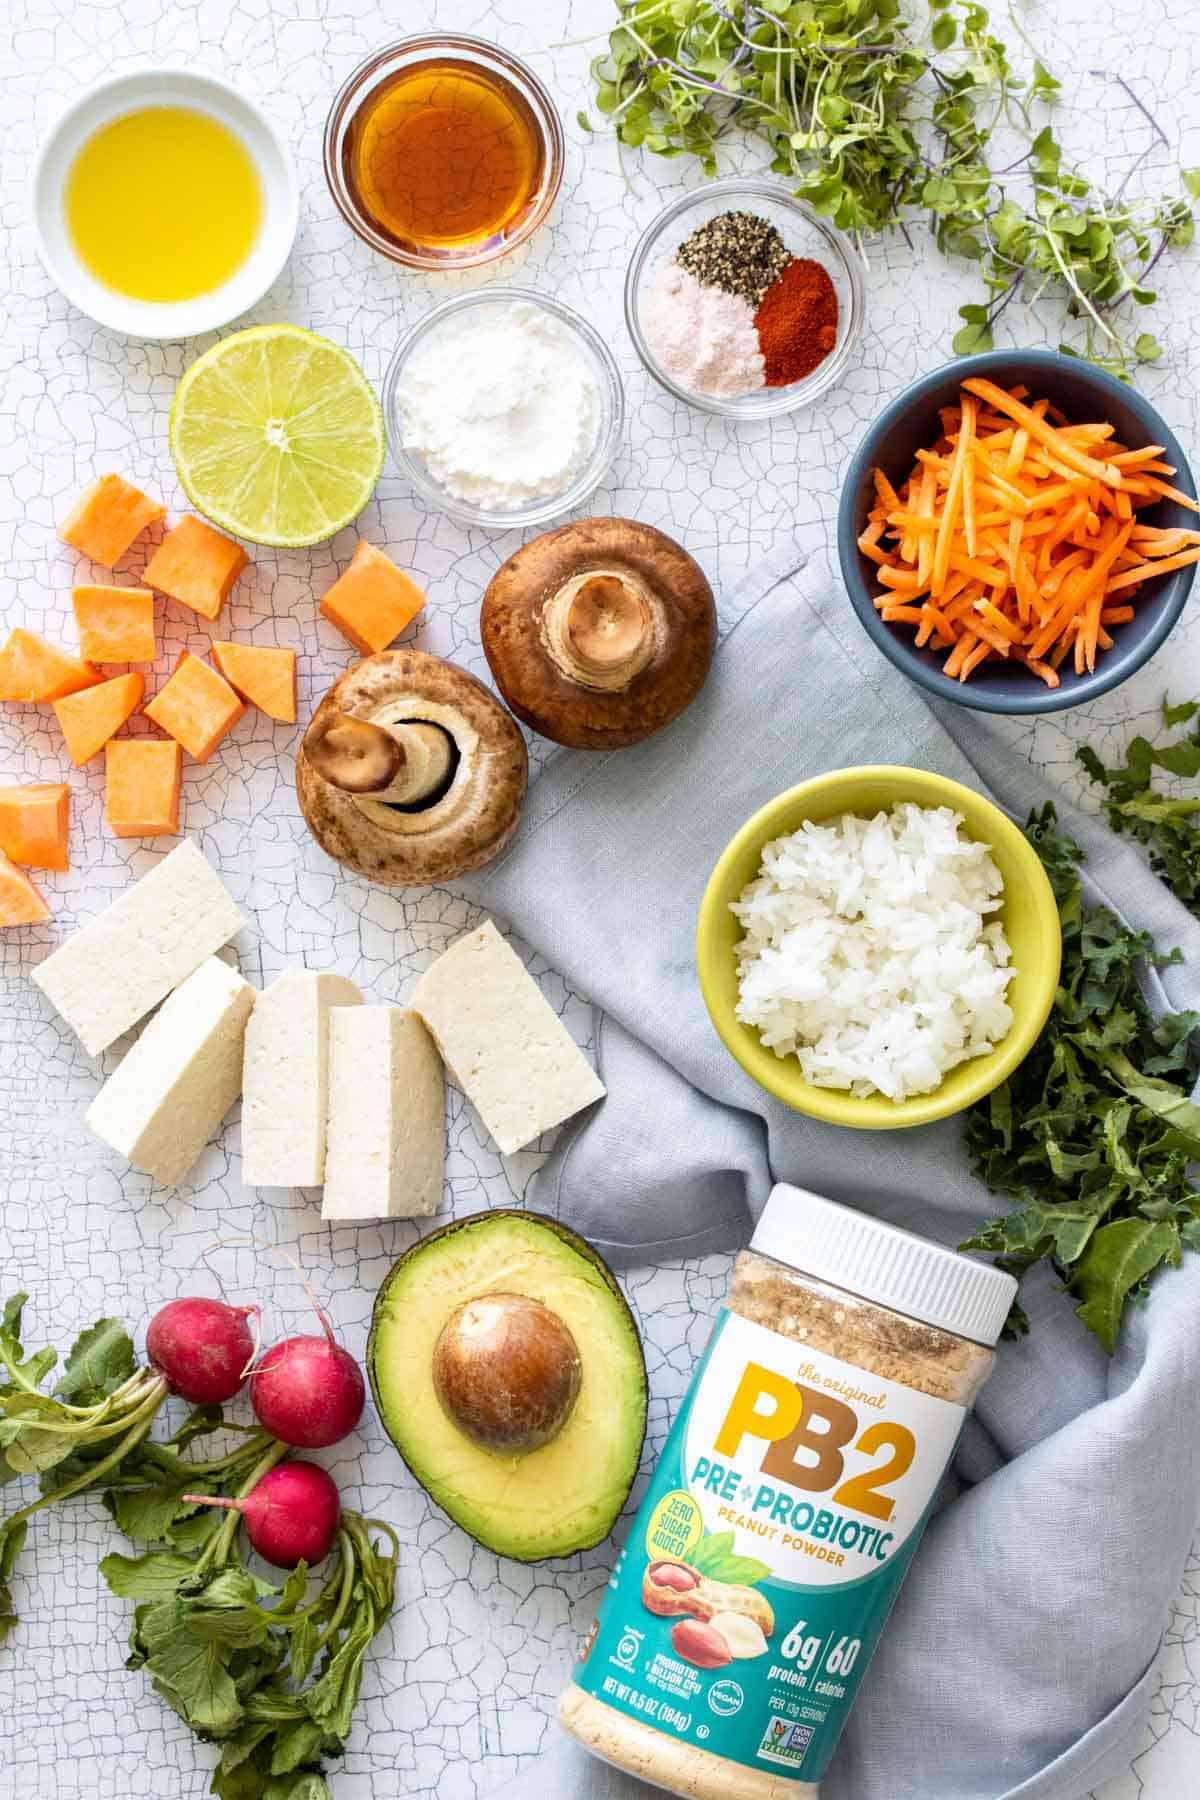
(787, 1505)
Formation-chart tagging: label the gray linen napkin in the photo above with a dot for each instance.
(1016, 1665)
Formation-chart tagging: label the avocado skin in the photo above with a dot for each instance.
(582, 1248)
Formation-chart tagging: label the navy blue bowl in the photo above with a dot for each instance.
(911, 422)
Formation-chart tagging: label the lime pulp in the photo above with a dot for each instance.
(277, 436)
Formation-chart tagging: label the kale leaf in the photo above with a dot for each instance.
(1094, 1135)
(1164, 823)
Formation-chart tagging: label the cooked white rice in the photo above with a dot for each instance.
(870, 954)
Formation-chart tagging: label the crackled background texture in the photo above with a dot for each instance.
(460, 1690)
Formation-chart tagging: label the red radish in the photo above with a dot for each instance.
(202, 1348)
(291, 1515)
(308, 1391)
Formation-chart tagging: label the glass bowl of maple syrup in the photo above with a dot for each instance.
(443, 152)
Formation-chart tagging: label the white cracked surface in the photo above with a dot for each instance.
(460, 1691)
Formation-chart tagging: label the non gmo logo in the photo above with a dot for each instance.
(725, 1698)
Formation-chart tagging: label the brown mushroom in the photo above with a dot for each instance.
(599, 633)
(411, 772)
(506, 1370)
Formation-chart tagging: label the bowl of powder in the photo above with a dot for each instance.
(504, 408)
(742, 301)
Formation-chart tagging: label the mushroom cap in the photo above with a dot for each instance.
(599, 633)
(466, 825)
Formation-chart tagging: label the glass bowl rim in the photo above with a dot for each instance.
(798, 394)
(408, 49)
(608, 437)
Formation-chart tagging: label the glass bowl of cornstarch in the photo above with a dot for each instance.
(504, 408)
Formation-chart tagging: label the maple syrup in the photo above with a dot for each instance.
(445, 157)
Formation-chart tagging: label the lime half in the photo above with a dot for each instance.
(277, 436)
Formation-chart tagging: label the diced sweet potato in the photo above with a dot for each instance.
(373, 601)
(116, 624)
(34, 822)
(196, 705)
(263, 675)
(105, 520)
(90, 718)
(33, 670)
(141, 786)
(20, 902)
(197, 565)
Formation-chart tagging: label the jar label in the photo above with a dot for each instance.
(773, 1539)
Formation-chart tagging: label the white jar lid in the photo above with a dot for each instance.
(895, 1268)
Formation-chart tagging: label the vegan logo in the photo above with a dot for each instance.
(725, 1698)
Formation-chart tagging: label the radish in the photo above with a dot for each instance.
(308, 1391)
(290, 1516)
(202, 1348)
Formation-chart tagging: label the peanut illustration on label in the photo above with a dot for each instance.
(719, 1620)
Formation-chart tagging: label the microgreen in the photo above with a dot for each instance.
(1093, 1136)
(270, 1670)
(877, 124)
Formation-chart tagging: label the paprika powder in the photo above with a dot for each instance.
(797, 322)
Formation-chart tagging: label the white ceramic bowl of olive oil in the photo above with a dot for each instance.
(165, 203)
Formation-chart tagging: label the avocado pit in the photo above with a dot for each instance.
(507, 1371)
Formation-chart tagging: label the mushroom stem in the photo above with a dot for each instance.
(396, 764)
(600, 628)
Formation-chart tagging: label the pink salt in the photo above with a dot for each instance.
(701, 335)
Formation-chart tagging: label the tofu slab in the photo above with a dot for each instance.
(386, 1146)
(502, 1041)
(285, 1080)
(167, 1097)
(110, 974)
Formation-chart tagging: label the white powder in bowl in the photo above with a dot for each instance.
(502, 404)
(701, 335)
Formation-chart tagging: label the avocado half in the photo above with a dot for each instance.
(567, 1495)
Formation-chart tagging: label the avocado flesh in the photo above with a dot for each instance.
(567, 1495)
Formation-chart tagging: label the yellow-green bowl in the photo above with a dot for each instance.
(1029, 913)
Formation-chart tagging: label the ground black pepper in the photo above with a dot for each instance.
(736, 251)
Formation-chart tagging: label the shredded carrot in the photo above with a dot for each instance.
(1017, 535)
(1047, 435)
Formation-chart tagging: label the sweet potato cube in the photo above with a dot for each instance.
(90, 718)
(33, 670)
(33, 824)
(20, 902)
(196, 565)
(263, 675)
(116, 624)
(141, 786)
(373, 601)
(105, 520)
(196, 705)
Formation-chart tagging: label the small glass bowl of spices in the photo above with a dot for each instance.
(503, 407)
(742, 301)
(443, 152)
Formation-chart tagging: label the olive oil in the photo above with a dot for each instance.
(444, 157)
(163, 204)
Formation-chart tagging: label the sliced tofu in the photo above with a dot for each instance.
(166, 1099)
(285, 1082)
(386, 1145)
(502, 1040)
(110, 974)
